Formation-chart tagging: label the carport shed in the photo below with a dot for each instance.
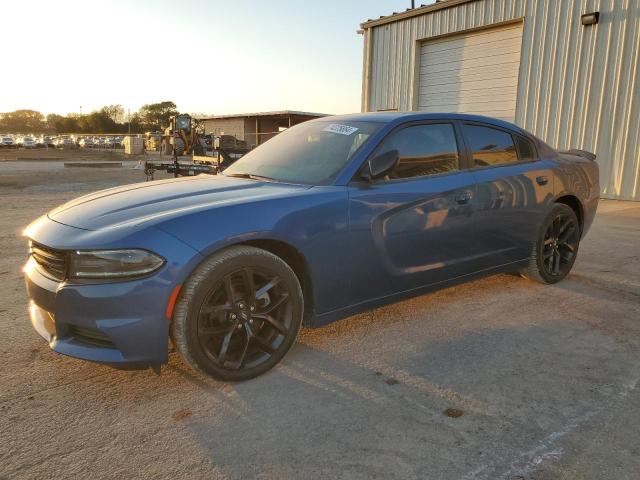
(255, 128)
(538, 63)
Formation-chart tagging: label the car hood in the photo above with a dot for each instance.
(139, 203)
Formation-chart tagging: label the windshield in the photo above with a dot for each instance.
(310, 153)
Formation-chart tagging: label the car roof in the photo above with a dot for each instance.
(400, 117)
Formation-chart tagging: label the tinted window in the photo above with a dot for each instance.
(310, 153)
(525, 149)
(490, 146)
(424, 150)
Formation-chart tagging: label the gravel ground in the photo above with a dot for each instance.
(496, 379)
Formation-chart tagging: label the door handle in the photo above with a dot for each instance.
(464, 197)
(542, 180)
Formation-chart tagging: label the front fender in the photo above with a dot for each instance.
(314, 222)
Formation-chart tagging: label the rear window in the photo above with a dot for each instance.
(526, 150)
(490, 146)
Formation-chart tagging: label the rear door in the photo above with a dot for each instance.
(514, 190)
(414, 227)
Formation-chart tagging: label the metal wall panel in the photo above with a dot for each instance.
(578, 85)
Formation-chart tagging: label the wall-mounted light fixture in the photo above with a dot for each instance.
(590, 18)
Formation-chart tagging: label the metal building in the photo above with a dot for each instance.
(569, 78)
(255, 128)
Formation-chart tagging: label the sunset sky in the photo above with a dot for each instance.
(224, 56)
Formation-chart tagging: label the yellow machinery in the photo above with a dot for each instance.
(181, 137)
(154, 141)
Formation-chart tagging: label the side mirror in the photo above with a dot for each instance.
(381, 165)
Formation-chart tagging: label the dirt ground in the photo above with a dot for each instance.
(497, 379)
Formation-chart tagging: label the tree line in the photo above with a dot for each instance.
(109, 119)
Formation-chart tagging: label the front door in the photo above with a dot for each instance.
(414, 227)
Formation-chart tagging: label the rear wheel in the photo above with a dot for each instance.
(238, 314)
(179, 147)
(556, 248)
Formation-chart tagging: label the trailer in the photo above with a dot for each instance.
(225, 152)
(178, 169)
(182, 138)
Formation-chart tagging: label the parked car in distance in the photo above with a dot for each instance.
(64, 142)
(26, 142)
(332, 217)
(6, 141)
(86, 143)
(44, 141)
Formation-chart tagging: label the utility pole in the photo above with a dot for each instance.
(129, 114)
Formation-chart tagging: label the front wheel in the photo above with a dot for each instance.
(238, 314)
(556, 247)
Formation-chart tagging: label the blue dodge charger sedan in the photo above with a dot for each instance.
(330, 218)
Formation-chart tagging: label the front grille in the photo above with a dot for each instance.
(90, 335)
(52, 262)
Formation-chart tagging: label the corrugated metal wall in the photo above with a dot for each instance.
(226, 126)
(578, 86)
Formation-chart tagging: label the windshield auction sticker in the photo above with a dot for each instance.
(341, 129)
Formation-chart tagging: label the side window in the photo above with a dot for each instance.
(525, 149)
(424, 150)
(490, 146)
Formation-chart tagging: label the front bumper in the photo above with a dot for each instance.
(123, 324)
(119, 324)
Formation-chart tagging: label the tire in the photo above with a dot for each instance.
(238, 314)
(179, 146)
(556, 247)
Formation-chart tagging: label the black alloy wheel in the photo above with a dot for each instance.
(560, 244)
(244, 319)
(238, 314)
(556, 248)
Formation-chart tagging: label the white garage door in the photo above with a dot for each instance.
(476, 72)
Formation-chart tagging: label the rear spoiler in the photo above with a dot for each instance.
(579, 153)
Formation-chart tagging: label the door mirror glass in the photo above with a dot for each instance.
(382, 164)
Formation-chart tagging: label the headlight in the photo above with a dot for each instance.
(112, 264)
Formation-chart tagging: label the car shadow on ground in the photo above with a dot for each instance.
(478, 381)
(519, 389)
